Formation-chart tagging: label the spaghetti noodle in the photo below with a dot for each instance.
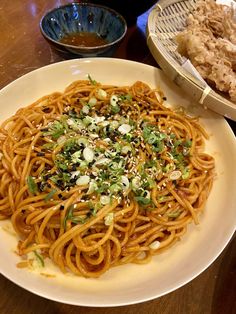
(100, 176)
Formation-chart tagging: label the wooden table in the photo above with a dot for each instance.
(23, 49)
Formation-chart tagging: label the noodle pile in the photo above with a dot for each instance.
(100, 176)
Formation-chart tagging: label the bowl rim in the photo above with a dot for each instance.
(81, 47)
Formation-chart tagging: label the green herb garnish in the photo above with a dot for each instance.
(187, 143)
(50, 195)
(33, 188)
(48, 146)
(127, 97)
(177, 143)
(75, 219)
(174, 214)
(186, 173)
(142, 200)
(39, 258)
(115, 109)
(55, 130)
(92, 81)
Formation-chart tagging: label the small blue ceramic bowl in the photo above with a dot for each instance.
(84, 18)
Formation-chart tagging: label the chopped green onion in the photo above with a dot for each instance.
(94, 211)
(115, 109)
(127, 97)
(48, 146)
(102, 161)
(93, 128)
(90, 205)
(88, 120)
(85, 109)
(39, 258)
(142, 200)
(78, 220)
(146, 194)
(125, 183)
(109, 219)
(162, 136)
(150, 183)
(188, 143)
(56, 129)
(61, 139)
(83, 165)
(136, 183)
(114, 124)
(186, 173)
(117, 147)
(102, 188)
(83, 180)
(175, 175)
(92, 101)
(72, 113)
(174, 214)
(161, 199)
(105, 199)
(75, 124)
(125, 149)
(33, 188)
(69, 144)
(93, 82)
(74, 219)
(185, 151)
(150, 164)
(177, 143)
(75, 174)
(92, 187)
(124, 128)
(128, 137)
(115, 188)
(50, 195)
(114, 100)
(152, 139)
(61, 165)
(68, 216)
(76, 157)
(101, 94)
(88, 154)
(168, 167)
(82, 141)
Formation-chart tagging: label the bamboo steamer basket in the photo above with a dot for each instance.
(165, 21)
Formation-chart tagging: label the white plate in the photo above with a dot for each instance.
(130, 283)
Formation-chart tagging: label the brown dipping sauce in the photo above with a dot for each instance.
(83, 39)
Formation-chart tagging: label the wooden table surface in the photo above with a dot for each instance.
(23, 49)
